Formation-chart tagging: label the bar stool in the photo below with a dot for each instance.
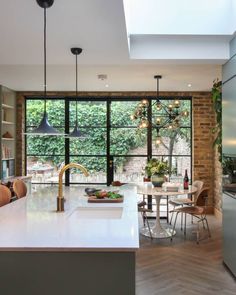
(5, 195)
(19, 188)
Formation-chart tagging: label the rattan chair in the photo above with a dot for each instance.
(5, 195)
(198, 211)
(19, 188)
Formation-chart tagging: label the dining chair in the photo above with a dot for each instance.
(19, 188)
(186, 201)
(5, 195)
(143, 210)
(198, 211)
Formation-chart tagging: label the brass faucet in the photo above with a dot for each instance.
(60, 198)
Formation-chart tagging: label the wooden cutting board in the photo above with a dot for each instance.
(94, 199)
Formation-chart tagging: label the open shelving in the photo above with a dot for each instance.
(7, 138)
(7, 106)
(7, 122)
(7, 131)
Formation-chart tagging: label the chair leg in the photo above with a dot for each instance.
(142, 214)
(181, 227)
(167, 208)
(185, 221)
(208, 229)
(145, 220)
(172, 215)
(203, 224)
(173, 230)
(148, 226)
(198, 231)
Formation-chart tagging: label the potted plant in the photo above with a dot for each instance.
(156, 170)
(229, 169)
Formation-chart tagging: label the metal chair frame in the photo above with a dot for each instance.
(190, 202)
(201, 217)
(143, 211)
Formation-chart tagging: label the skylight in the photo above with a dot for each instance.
(201, 17)
(180, 29)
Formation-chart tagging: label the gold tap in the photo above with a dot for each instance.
(60, 198)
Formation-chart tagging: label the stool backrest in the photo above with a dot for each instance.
(19, 188)
(5, 195)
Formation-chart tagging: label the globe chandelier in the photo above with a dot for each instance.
(159, 115)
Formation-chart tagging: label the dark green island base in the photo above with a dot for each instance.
(67, 273)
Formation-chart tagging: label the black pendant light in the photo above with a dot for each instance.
(44, 127)
(76, 132)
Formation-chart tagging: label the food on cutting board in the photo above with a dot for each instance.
(91, 191)
(101, 194)
(109, 195)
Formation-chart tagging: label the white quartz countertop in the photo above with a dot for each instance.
(32, 223)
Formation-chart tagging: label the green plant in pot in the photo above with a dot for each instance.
(156, 170)
(229, 169)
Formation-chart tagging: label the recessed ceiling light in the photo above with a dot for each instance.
(189, 85)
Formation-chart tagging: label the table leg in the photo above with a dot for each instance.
(157, 230)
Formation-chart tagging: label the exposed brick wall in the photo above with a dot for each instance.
(205, 166)
(203, 151)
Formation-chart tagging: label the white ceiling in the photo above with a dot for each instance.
(98, 26)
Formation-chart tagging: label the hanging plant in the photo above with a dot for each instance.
(217, 104)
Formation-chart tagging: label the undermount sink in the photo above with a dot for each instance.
(97, 213)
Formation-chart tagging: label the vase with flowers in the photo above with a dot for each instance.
(157, 171)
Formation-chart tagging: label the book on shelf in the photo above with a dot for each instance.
(11, 171)
(6, 152)
(4, 169)
(3, 115)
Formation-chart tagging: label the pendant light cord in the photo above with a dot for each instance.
(45, 59)
(76, 92)
(157, 89)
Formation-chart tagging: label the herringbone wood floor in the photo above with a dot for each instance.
(183, 267)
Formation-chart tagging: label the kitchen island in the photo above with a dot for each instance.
(88, 249)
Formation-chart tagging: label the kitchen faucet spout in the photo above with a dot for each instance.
(60, 198)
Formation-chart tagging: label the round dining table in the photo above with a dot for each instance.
(158, 231)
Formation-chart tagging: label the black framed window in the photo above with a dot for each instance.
(114, 148)
(91, 151)
(45, 155)
(128, 144)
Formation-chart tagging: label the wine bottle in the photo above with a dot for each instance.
(186, 180)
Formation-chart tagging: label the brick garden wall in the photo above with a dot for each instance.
(205, 163)
(136, 164)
